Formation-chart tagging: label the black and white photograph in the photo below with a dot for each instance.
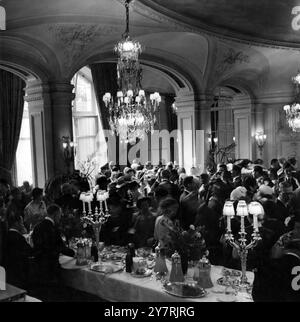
(150, 154)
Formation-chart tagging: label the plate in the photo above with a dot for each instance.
(106, 268)
(227, 281)
(231, 272)
(147, 273)
(70, 263)
(186, 290)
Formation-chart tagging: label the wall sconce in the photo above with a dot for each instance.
(260, 139)
(212, 141)
(68, 148)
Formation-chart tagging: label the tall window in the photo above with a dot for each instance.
(222, 125)
(88, 135)
(23, 155)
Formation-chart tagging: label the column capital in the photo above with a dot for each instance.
(35, 91)
(62, 93)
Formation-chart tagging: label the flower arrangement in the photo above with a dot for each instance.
(189, 243)
(87, 169)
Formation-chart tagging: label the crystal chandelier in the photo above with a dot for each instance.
(292, 111)
(131, 113)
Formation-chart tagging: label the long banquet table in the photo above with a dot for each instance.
(122, 287)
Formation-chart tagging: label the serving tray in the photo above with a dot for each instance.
(106, 268)
(185, 290)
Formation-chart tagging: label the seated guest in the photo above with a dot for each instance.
(165, 223)
(288, 240)
(115, 230)
(36, 210)
(48, 245)
(17, 253)
(143, 224)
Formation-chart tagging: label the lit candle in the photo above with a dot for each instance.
(255, 223)
(242, 211)
(228, 211)
(82, 198)
(255, 208)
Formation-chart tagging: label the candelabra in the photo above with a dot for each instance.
(241, 244)
(100, 215)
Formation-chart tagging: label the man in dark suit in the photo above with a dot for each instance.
(165, 188)
(17, 254)
(48, 244)
(189, 202)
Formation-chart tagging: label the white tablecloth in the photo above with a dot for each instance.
(122, 287)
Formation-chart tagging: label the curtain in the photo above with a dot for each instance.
(105, 80)
(11, 113)
(171, 116)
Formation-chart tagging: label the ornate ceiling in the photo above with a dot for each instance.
(266, 21)
(198, 43)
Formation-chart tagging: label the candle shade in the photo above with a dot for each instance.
(102, 195)
(228, 209)
(89, 197)
(255, 208)
(242, 209)
(82, 197)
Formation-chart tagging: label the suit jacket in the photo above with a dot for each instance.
(17, 255)
(48, 244)
(189, 205)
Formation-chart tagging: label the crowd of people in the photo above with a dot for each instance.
(163, 205)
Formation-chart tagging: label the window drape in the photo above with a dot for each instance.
(11, 113)
(104, 80)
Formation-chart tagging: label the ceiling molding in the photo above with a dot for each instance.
(163, 15)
